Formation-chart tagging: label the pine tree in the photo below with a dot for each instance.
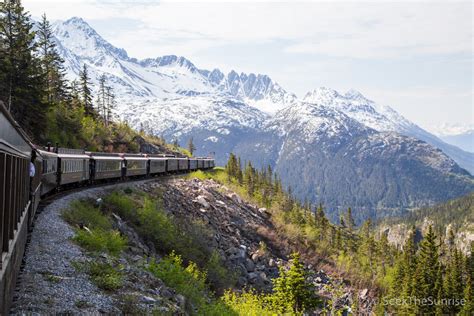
(426, 273)
(51, 63)
(21, 87)
(350, 219)
(453, 283)
(110, 105)
(342, 223)
(291, 290)
(249, 178)
(468, 300)
(231, 166)
(86, 92)
(240, 175)
(191, 147)
(405, 270)
(102, 97)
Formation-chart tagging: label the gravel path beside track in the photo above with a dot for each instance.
(48, 282)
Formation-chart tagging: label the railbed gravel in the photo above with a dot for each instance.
(48, 282)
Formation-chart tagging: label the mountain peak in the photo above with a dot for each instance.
(355, 95)
(321, 95)
(81, 39)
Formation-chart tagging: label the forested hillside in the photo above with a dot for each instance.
(400, 277)
(49, 107)
(453, 219)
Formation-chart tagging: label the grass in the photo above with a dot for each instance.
(52, 278)
(105, 276)
(98, 236)
(189, 238)
(190, 282)
(82, 304)
(84, 213)
(98, 240)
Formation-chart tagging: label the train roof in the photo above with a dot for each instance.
(46, 153)
(106, 157)
(135, 158)
(73, 156)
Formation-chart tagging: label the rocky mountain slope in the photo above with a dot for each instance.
(455, 215)
(323, 153)
(340, 149)
(51, 282)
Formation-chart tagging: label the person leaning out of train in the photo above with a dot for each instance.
(32, 168)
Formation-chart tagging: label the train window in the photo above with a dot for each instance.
(74, 165)
(136, 164)
(105, 165)
(49, 165)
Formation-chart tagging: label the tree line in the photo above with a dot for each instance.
(34, 88)
(427, 277)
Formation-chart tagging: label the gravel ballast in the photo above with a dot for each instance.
(48, 282)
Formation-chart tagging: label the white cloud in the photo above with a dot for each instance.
(342, 44)
(361, 30)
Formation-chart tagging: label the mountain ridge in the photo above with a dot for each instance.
(249, 114)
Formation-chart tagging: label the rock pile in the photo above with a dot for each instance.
(234, 224)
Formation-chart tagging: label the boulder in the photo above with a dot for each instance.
(148, 299)
(202, 200)
(249, 265)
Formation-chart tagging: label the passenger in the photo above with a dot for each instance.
(32, 170)
(32, 164)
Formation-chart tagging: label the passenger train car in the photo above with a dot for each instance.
(57, 169)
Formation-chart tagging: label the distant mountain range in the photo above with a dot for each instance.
(464, 140)
(339, 149)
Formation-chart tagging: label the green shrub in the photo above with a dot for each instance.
(105, 276)
(83, 213)
(121, 204)
(157, 225)
(219, 277)
(98, 240)
(249, 303)
(188, 281)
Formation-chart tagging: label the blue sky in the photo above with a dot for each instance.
(414, 56)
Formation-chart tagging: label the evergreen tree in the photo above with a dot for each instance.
(102, 97)
(240, 175)
(52, 64)
(291, 290)
(405, 270)
(350, 219)
(249, 178)
(468, 306)
(110, 105)
(191, 147)
(426, 273)
(342, 223)
(86, 92)
(21, 87)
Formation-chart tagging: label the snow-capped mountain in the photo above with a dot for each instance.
(327, 156)
(340, 149)
(385, 119)
(158, 78)
(463, 140)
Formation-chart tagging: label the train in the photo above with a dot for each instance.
(58, 169)
(61, 168)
